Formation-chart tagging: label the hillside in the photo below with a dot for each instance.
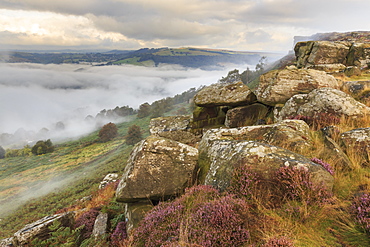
(187, 57)
(283, 164)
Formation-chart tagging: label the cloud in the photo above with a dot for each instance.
(33, 96)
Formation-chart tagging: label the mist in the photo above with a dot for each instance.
(35, 96)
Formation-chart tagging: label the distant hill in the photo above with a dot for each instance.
(187, 57)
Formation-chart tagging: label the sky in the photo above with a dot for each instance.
(253, 25)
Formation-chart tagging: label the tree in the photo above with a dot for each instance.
(108, 132)
(42, 147)
(133, 135)
(144, 110)
(2, 152)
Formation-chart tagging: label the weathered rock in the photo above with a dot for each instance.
(40, 229)
(358, 140)
(135, 212)
(245, 115)
(157, 168)
(109, 178)
(208, 117)
(352, 71)
(291, 134)
(359, 55)
(175, 128)
(6, 242)
(277, 86)
(311, 53)
(219, 158)
(357, 88)
(323, 100)
(100, 225)
(335, 152)
(225, 94)
(329, 68)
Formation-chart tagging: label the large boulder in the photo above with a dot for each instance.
(219, 158)
(311, 53)
(225, 94)
(100, 225)
(40, 229)
(358, 140)
(245, 115)
(323, 100)
(204, 117)
(291, 134)
(358, 89)
(174, 127)
(277, 86)
(157, 168)
(359, 55)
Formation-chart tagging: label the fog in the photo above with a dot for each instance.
(34, 96)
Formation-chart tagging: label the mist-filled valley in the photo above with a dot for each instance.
(62, 101)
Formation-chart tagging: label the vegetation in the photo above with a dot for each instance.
(42, 147)
(108, 132)
(133, 135)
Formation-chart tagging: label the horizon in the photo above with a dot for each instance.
(263, 25)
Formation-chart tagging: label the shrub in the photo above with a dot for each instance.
(244, 182)
(361, 210)
(201, 216)
(42, 147)
(119, 234)
(327, 166)
(108, 132)
(279, 242)
(2, 152)
(133, 135)
(87, 220)
(296, 184)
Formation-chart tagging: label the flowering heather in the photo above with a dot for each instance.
(87, 220)
(319, 120)
(279, 242)
(119, 234)
(327, 166)
(361, 209)
(219, 223)
(244, 182)
(202, 216)
(297, 185)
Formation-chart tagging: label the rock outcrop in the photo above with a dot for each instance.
(277, 86)
(225, 94)
(40, 229)
(100, 225)
(291, 134)
(311, 53)
(109, 178)
(323, 100)
(358, 139)
(245, 115)
(174, 127)
(157, 168)
(220, 158)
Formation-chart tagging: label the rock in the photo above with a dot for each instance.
(357, 88)
(208, 117)
(157, 168)
(323, 100)
(245, 115)
(329, 68)
(40, 229)
(277, 86)
(334, 151)
(219, 158)
(225, 94)
(135, 212)
(109, 178)
(358, 140)
(291, 134)
(175, 128)
(100, 225)
(6, 242)
(313, 53)
(359, 55)
(352, 71)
